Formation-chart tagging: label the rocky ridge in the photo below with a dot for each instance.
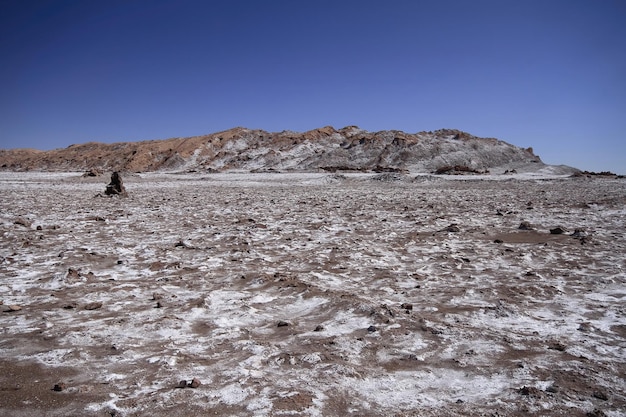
(241, 149)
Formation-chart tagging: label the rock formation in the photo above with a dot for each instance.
(116, 186)
(327, 149)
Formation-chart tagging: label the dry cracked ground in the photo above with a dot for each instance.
(313, 295)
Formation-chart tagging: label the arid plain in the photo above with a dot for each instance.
(312, 294)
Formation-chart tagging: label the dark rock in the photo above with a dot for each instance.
(182, 384)
(453, 228)
(93, 306)
(59, 387)
(498, 241)
(282, 324)
(556, 345)
(39, 227)
(553, 389)
(116, 186)
(530, 391)
(557, 231)
(525, 226)
(195, 383)
(407, 306)
(372, 329)
(318, 328)
(601, 395)
(70, 306)
(159, 305)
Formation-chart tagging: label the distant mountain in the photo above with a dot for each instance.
(240, 149)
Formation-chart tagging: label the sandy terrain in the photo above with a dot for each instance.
(312, 294)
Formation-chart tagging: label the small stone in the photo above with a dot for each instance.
(600, 395)
(120, 262)
(530, 391)
(70, 306)
(556, 345)
(372, 329)
(318, 328)
(22, 222)
(92, 173)
(557, 231)
(282, 324)
(453, 228)
(39, 227)
(525, 226)
(195, 383)
(159, 304)
(182, 384)
(13, 308)
(553, 389)
(72, 273)
(93, 306)
(407, 306)
(59, 387)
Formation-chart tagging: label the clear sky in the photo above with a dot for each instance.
(550, 74)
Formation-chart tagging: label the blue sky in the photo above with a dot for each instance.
(550, 74)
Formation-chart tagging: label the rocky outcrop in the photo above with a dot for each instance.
(116, 186)
(346, 149)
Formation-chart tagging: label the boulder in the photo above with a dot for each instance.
(116, 186)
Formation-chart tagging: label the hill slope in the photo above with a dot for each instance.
(326, 148)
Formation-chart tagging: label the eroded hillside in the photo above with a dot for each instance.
(348, 149)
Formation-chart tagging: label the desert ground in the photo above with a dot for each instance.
(312, 295)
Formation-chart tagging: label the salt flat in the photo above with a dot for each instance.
(396, 295)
